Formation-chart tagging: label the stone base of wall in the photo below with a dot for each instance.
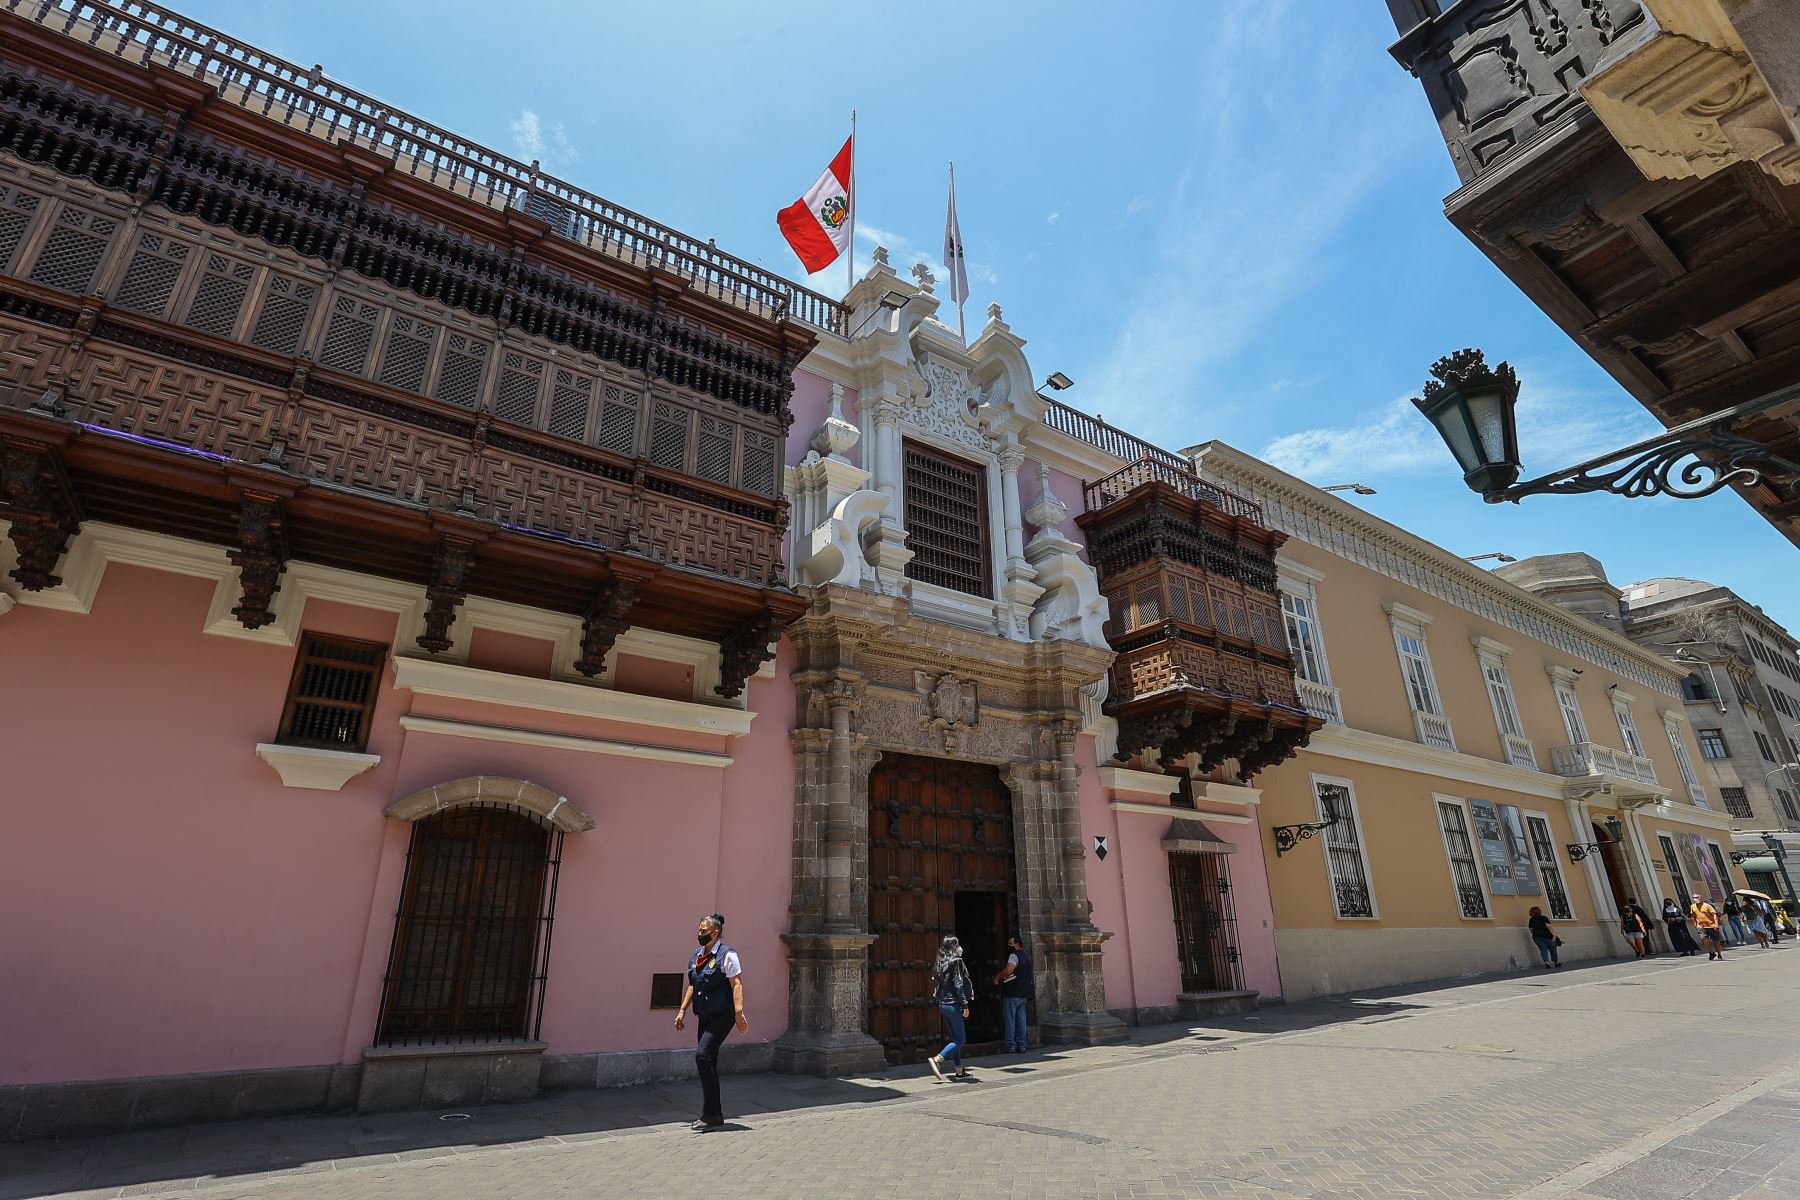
(39, 1110)
(1199, 1006)
(626, 1068)
(1348, 957)
(409, 1078)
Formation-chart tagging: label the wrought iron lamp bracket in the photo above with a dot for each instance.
(1649, 467)
(1580, 850)
(1289, 836)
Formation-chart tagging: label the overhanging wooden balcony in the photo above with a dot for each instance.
(1203, 668)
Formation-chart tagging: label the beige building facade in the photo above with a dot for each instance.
(1484, 752)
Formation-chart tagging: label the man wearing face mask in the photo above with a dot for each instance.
(715, 991)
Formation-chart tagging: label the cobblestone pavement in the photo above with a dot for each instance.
(1675, 1078)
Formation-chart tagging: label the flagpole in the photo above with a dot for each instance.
(956, 266)
(852, 260)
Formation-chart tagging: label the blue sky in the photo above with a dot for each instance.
(1223, 218)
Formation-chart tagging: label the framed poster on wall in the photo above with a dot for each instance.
(1496, 859)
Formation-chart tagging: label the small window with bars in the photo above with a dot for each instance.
(666, 989)
(331, 697)
(1544, 850)
(947, 521)
(1736, 803)
(1351, 894)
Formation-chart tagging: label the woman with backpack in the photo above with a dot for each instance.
(954, 992)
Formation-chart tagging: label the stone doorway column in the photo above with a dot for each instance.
(828, 944)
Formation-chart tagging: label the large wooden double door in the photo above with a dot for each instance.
(940, 863)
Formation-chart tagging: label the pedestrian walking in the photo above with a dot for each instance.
(1631, 924)
(1681, 939)
(1754, 918)
(1734, 915)
(954, 992)
(715, 991)
(1706, 920)
(1632, 905)
(1546, 939)
(1017, 985)
(1770, 921)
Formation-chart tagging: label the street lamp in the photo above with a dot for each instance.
(1289, 836)
(1615, 834)
(891, 300)
(1505, 558)
(1361, 489)
(1472, 406)
(1059, 382)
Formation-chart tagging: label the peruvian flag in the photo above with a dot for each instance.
(817, 225)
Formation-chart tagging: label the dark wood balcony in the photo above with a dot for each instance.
(233, 309)
(1203, 668)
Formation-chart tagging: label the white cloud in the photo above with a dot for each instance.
(1053, 218)
(549, 147)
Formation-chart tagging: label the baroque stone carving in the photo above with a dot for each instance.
(37, 497)
(948, 403)
(260, 556)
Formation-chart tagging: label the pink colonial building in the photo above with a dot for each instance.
(426, 588)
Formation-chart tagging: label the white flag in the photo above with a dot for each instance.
(953, 249)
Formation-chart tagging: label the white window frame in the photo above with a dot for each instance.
(1300, 612)
(1300, 583)
(1476, 863)
(1496, 680)
(1362, 846)
(1684, 762)
(1569, 705)
(1631, 740)
(1562, 872)
(1408, 624)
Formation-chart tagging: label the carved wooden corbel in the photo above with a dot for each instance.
(446, 591)
(606, 618)
(745, 651)
(260, 556)
(37, 497)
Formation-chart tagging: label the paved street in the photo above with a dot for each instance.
(1628, 1081)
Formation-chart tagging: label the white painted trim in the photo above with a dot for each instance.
(1359, 745)
(1140, 783)
(1564, 675)
(1303, 576)
(1397, 611)
(455, 682)
(1166, 810)
(1228, 793)
(1487, 645)
(1477, 861)
(313, 768)
(561, 741)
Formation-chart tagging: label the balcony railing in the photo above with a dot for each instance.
(1586, 758)
(1321, 700)
(1124, 481)
(1110, 438)
(1519, 752)
(304, 100)
(1434, 730)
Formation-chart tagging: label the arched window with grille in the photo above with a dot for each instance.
(471, 944)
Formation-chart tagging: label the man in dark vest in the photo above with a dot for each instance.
(715, 991)
(1017, 985)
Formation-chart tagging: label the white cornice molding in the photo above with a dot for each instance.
(1342, 529)
(1379, 750)
(1164, 810)
(1406, 614)
(1487, 645)
(1562, 674)
(1228, 793)
(1138, 783)
(315, 769)
(561, 741)
(1685, 814)
(456, 682)
(1299, 572)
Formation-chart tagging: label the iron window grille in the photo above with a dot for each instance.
(1205, 923)
(1463, 871)
(1736, 802)
(471, 947)
(1344, 853)
(1545, 852)
(947, 521)
(331, 695)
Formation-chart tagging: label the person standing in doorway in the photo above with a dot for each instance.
(1734, 915)
(1546, 939)
(1632, 925)
(1681, 939)
(954, 992)
(1017, 986)
(1706, 920)
(715, 991)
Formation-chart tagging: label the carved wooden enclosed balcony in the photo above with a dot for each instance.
(1203, 667)
(242, 304)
